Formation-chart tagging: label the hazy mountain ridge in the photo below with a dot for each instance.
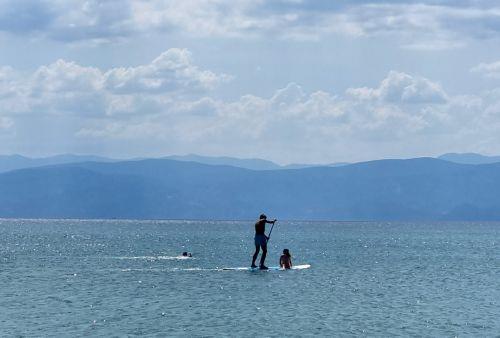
(250, 163)
(469, 158)
(247, 163)
(416, 189)
(14, 162)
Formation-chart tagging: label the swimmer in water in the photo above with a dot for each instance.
(187, 254)
(286, 260)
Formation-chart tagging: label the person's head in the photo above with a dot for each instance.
(286, 252)
(185, 253)
(263, 216)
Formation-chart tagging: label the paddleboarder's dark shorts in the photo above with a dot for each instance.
(261, 240)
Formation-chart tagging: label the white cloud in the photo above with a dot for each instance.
(63, 76)
(403, 88)
(68, 88)
(292, 125)
(290, 95)
(172, 71)
(166, 107)
(488, 70)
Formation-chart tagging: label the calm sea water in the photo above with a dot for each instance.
(123, 278)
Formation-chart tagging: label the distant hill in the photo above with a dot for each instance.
(416, 189)
(302, 166)
(253, 163)
(469, 158)
(13, 162)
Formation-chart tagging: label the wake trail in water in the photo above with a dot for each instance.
(152, 258)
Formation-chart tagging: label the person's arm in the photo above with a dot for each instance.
(271, 222)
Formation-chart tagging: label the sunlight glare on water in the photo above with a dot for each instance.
(114, 277)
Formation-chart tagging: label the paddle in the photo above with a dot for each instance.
(270, 231)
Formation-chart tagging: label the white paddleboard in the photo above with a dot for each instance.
(271, 268)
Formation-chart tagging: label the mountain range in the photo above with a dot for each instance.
(413, 189)
(13, 162)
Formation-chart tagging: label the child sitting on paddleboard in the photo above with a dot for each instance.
(286, 260)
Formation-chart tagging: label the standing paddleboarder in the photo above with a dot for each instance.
(261, 241)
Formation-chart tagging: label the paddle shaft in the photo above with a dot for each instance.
(270, 231)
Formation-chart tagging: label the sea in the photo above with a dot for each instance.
(121, 278)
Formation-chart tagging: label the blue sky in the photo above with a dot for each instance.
(290, 80)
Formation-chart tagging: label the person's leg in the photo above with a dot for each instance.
(256, 253)
(263, 256)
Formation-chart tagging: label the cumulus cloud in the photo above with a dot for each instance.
(173, 70)
(167, 106)
(488, 70)
(290, 95)
(430, 24)
(64, 76)
(294, 125)
(404, 88)
(65, 87)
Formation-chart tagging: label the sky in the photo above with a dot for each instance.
(292, 81)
